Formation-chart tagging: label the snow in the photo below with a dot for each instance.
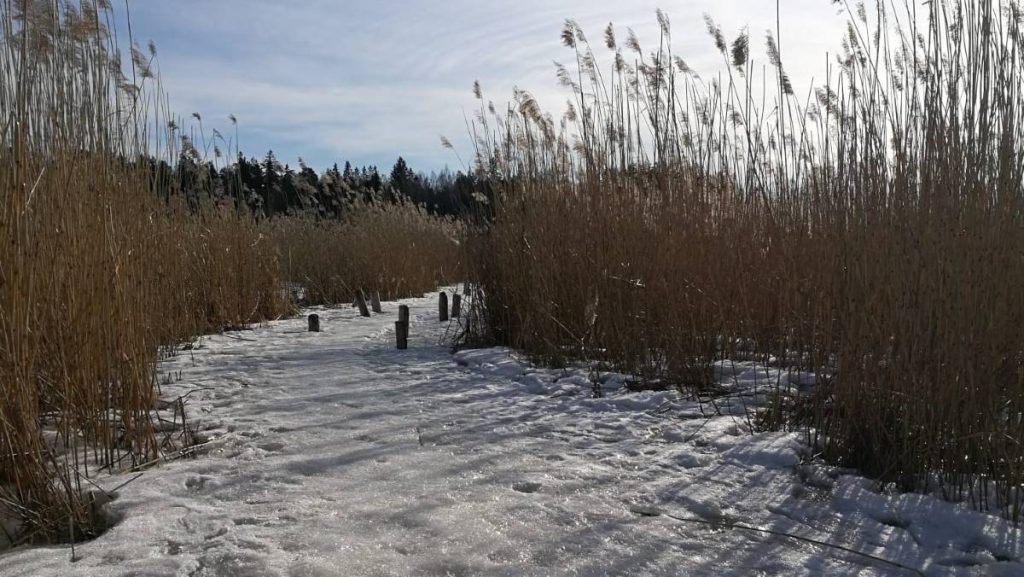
(332, 453)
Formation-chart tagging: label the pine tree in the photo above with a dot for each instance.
(271, 182)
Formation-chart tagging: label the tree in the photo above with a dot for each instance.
(271, 182)
(401, 177)
(267, 188)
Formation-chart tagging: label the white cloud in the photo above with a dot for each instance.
(368, 81)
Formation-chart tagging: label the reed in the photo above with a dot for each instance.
(398, 250)
(868, 230)
(97, 273)
(106, 263)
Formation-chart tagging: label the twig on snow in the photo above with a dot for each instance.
(652, 512)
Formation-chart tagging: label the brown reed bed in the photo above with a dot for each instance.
(100, 274)
(869, 231)
(97, 273)
(397, 250)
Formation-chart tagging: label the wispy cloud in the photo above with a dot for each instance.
(368, 81)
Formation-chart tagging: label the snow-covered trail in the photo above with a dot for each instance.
(335, 454)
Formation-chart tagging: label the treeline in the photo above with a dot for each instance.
(269, 188)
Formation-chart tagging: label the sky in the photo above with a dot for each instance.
(367, 81)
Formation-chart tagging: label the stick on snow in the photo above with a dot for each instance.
(652, 512)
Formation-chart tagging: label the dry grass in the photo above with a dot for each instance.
(99, 273)
(870, 231)
(397, 250)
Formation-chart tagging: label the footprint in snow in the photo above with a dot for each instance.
(526, 487)
(248, 521)
(196, 483)
(272, 447)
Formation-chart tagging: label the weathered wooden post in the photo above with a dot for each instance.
(375, 302)
(402, 335)
(402, 328)
(456, 306)
(442, 306)
(314, 323)
(361, 303)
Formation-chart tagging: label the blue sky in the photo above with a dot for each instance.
(367, 81)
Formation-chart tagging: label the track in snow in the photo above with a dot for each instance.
(334, 454)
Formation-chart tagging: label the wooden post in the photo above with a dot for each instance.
(361, 303)
(456, 306)
(375, 301)
(402, 328)
(442, 306)
(314, 323)
(402, 335)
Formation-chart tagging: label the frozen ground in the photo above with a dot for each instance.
(334, 454)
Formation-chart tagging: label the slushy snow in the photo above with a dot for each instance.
(332, 453)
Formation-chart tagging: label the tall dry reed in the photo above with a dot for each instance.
(869, 231)
(96, 273)
(398, 250)
(106, 263)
